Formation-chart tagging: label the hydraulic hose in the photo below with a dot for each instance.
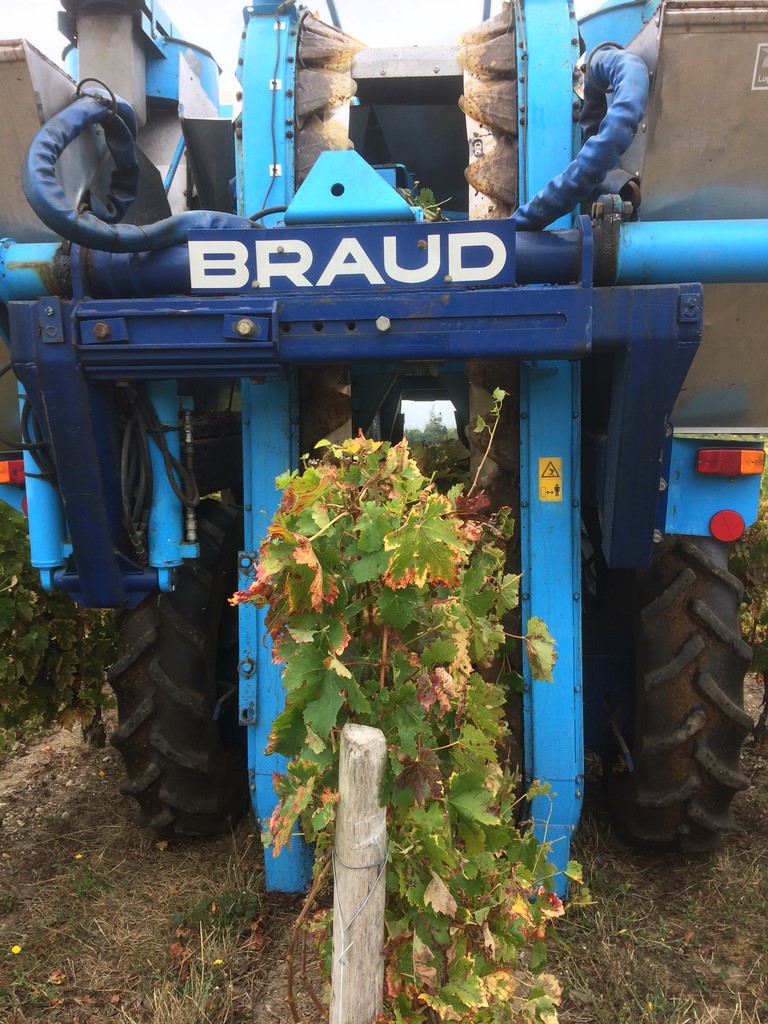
(48, 200)
(627, 77)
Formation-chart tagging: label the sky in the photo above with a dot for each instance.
(217, 24)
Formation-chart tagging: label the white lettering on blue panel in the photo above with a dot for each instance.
(356, 258)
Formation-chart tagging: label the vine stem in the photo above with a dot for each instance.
(296, 929)
(328, 525)
(486, 453)
(383, 669)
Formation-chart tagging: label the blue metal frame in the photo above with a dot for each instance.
(266, 68)
(268, 449)
(550, 412)
(62, 362)
(549, 401)
(266, 179)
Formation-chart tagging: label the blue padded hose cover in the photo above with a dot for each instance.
(627, 76)
(48, 200)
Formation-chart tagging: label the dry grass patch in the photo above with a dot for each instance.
(678, 940)
(99, 922)
(111, 926)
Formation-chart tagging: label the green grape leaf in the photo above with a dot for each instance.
(540, 650)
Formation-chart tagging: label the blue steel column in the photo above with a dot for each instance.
(550, 421)
(266, 70)
(269, 448)
(265, 178)
(551, 590)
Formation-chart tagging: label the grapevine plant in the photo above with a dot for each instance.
(385, 599)
(53, 654)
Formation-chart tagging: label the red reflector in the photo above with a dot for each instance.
(12, 471)
(730, 461)
(726, 525)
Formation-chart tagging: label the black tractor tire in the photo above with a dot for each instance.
(174, 680)
(690, 721)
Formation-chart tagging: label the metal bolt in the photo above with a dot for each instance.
(50, 332)
(281, 248)
(49, 310)
(421, 244)
(101, 330)
(577, 597)
(662, 484)
(627, 209)
(383, 72)
(579, 794)
(575, 503)
(447, 278)
(245, 327)
(436, 69)
(658, 536)
(383, 324)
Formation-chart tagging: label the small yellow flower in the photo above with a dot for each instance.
(217, 962)
(102, 775)
(78, 856)
(15, 950)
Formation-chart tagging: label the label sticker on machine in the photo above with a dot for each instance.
(353, 257)
(760, 74)
(551, 479)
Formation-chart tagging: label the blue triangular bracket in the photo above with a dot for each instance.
(342, 188)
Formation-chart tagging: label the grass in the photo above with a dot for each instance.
(110, 925)
(673, 940)
(113, 926)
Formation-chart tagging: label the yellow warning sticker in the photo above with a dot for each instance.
(551, 479)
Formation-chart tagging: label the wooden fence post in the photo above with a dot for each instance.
(357, 980)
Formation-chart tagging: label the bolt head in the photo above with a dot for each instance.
(245, 327)
(101, 330)
(383, 324)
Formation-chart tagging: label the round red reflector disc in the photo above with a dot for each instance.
(726, 525)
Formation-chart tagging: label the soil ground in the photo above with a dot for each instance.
(99, 922)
